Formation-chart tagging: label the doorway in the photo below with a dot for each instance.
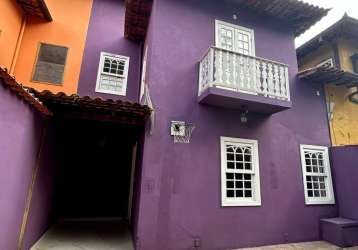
(93, 185)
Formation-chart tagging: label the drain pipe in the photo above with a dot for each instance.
(18, 44)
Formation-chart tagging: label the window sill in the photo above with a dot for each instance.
(110, 92)
(241, 204)
(319, 202)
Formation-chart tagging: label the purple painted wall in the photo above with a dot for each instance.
(20, 128)
(345, 171)
(41, 216)
(180, 194)
(106, 34)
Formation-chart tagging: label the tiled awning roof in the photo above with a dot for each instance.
(327, 74)
(26, 95)
(36, 8)
(137, 18)
(299, 15)
(345, 27)
(74, 106)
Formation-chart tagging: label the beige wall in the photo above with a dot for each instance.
(344, 122)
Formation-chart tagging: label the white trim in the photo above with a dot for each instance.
(144, 72)
(329, 186)
(235, 27)
(125, 74)
(236, 202)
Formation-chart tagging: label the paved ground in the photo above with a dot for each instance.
(315, 245)
(86, 235)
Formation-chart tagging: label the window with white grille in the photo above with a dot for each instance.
(235, 38)
(50, 64)
(240, 176)
(112, 74)
(316, 175)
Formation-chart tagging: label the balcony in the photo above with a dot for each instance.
(237, 81)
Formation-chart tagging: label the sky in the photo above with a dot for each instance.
(339, 7)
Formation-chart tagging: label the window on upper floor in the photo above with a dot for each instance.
(240, 177)
(235, 38)
(112, 74)
(354, 59)
(316, 175)
(50, 64)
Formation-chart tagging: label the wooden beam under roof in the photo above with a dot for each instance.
(36, 8)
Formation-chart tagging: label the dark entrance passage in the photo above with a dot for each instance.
(94, 174)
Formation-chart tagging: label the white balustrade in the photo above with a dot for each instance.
(242, 73)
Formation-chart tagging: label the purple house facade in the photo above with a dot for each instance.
(181, 199)
(227, 148)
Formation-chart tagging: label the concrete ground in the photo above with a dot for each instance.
(315, 245)
(86, 235)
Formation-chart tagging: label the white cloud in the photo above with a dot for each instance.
(339, 7)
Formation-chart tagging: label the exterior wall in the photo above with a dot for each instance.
(106, 33)
(10, 26)
(344, 121)
(41, 209)
(345, 171)
(69, 29)
(316, 57)
(20, 133)
(180, 193)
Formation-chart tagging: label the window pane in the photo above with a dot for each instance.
(52, 54)
(239, 193)
(230, 184)
(230, 193)
(248, 193)
(230, 165)
(50, 64)
(230, 176)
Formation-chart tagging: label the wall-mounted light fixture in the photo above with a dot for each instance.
(243, 116)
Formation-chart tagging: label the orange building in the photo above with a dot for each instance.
(42, 42)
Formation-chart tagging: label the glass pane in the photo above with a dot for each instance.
(229, 176)
(239, 193)
(230, 193)
(230, 184)
(248, 193)
(52, 54)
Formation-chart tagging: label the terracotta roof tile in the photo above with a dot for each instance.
(26, 95)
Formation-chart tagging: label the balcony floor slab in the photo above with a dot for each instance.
(236, 100)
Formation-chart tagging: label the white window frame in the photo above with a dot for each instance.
(256, 192)
(100, 72)
(329, 199)
(234, 27)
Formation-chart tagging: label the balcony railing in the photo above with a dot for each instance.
(242, 73)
